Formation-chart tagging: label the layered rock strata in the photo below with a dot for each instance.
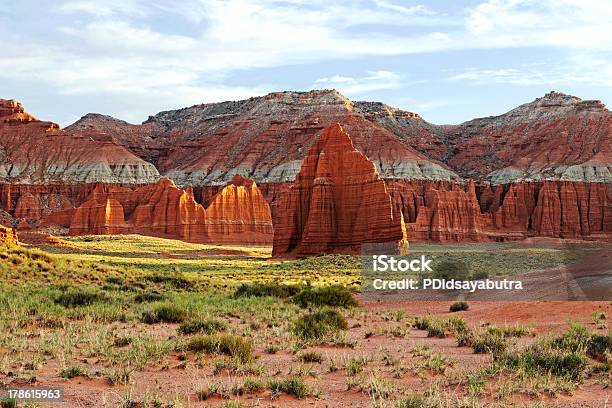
(336, 204)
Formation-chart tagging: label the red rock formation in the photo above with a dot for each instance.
(443, 211)
(32, 151)
(556, 137)
(98, 217)
(239, 214)
(8, 236)
(336, 204)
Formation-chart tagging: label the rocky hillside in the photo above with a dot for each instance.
(32, 151)
(555, 137)
(264, 138)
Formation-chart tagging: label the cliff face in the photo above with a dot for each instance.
(240, 212)
(446, 212)
(337, 203)
(32, 151)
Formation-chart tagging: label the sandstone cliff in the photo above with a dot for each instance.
(239, 214)
(337, 203)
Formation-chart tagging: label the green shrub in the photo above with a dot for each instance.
(459, 306)
(267, 289)
(542, 358)
(599, 345)
(7, 402)
(413, 401)
(231, 345)
(294, 385)
(78, 297)
(311, 357)
(325, 296)
(167, 313)
(71, 372)
(487, 342)
(209, 326)
(318, 325)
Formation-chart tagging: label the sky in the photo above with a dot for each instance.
(449, 61)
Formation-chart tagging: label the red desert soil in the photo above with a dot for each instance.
(171, 381)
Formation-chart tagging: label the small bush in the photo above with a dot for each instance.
(209, 326)
(294, 385)
(75, 298)
(325, 296)
(167, 313)
(147, 297)
(267, 289)
(311, 357)
(413, 401)
(71, 372)
(544, 359)
(487, 342)
(252, 385)
(7, 402)
(231, 345)
(319, 325)
(459, 306)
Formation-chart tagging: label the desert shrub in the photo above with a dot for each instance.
(578, 338)
(325, 296)
(71, 372)
(231, 345)
(599, 345)
(319, 324)
(79, 297)
(267, 289)
(251, 385)
(413, 401)
(436, 328)
(311, 357)
(167, 313)
(8, 402)
(487, 342)
(293, 385)
(355, 365)
(459, 306)
(122, 341)
(451, 270)
(440, 327)
(146, 297)
(208, 326)
(548, 360)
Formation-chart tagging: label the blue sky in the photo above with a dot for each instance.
(449, 61)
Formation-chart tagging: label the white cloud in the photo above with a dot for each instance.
(374, 81)
(581, 68)
(154, 47)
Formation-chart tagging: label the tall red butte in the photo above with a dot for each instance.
(337, 203)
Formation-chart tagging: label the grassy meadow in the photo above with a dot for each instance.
(135, 321)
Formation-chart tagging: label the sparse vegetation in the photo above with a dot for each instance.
(459, 306)
(318, 326)
(234, 346)
(325, 296)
